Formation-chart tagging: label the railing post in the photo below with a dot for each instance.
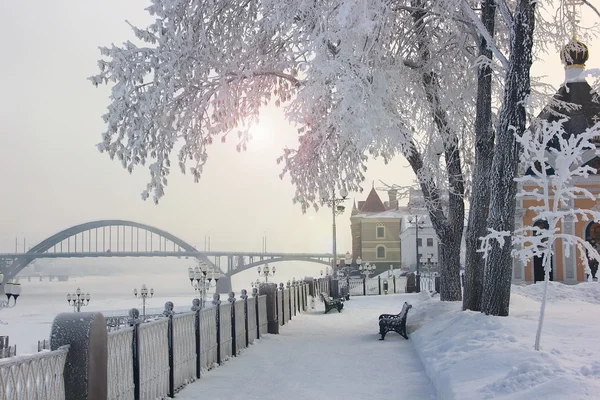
(168, 312)
(379, 284)
(86, 367)
(244, 296)
(196, 308)
(255, 295)
(134, 321)
(231, 300)
(270, 290)
(394, 284)
(217, 302)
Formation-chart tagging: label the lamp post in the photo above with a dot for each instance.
(201, 282)
(366, 269)
(12, 291)
(336, 209)
(144, 294)
(326, 271)
(266, 272)
(418, 221)
(78, 299)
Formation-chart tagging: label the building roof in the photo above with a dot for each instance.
(373, 204)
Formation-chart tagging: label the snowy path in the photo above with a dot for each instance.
(324, 357)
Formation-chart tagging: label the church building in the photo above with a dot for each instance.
(583, 113)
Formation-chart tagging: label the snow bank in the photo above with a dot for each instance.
(469, 355)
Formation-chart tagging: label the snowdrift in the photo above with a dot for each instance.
(469, 355)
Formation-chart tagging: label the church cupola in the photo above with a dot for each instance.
(574, 56)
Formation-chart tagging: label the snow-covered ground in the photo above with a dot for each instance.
(465, 355)
(472, 356)
(324, 356)
(454, 354)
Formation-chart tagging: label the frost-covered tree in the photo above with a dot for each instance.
(359, 78)
(555, 176)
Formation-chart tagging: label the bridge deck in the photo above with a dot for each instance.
(318, 356)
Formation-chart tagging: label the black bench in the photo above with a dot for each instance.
(331, 303)
(394, 322)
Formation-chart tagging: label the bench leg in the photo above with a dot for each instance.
(382, 332)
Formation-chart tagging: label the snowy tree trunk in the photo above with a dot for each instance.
(512, 120)
(547, 267)
(450, 288)
(484, 152)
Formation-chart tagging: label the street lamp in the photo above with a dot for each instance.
(12, 290)
(201, 282)
(336, 209)
(255, 284)
(144, 294)
(367, 269)
(326, 271)
(78, 299)
(266, 272)
(418, 222)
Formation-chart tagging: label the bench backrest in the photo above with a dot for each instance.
(405, 309)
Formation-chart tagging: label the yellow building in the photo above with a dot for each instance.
(587, 113)
(375, 227)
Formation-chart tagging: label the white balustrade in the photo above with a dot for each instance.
(184, 349)
(225, 331)
(38, 376)
(252, 327)
(208, 338)
(262, 315)
(154, 359)
(240, 325)
(286, 304)
(120, 365)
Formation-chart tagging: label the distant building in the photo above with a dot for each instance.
(375, 228)
(384, 233)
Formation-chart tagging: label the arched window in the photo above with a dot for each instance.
(380, 252)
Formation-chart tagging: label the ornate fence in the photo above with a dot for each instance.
(208, 338)
(184, 349)
(120, 365)
(376, 286)
(262, 315)
(225, 332)
(146, 360)
(251, 319)
(240, 326)
(39, 376)
(154, 360)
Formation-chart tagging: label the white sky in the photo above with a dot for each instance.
(54, 177)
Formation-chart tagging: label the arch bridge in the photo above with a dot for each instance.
(121, 238)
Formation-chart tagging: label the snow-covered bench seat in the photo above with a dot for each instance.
(394, 322)
(331, 303)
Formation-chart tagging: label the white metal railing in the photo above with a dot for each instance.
(225, 330)
(154, 359)
(262, 315)
(286, 304)
(208, 338)
(278, 298)
(120, 365)
(252, 327)
(184, 349)
(240, 325)
(39, 376)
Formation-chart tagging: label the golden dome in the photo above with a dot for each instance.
(574, 54)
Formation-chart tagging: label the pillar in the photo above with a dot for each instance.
(270, 290)
(87, 361)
